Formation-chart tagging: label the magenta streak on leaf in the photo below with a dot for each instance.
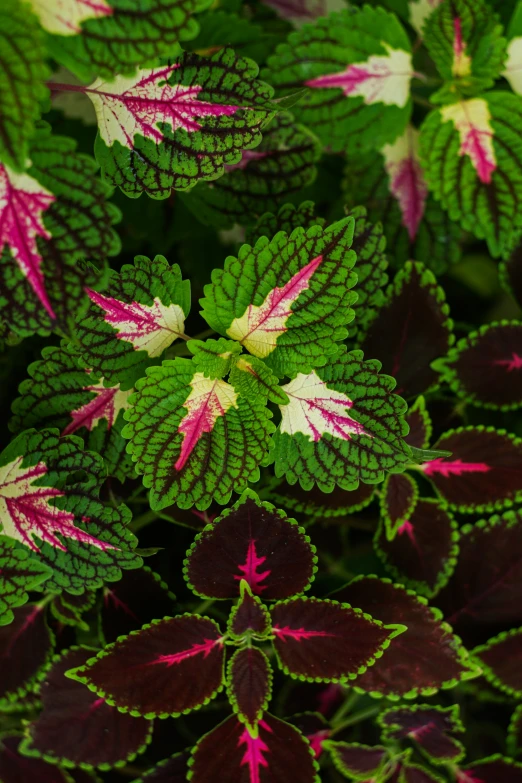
(458, 43)
(407, 183)
(22, 202)
(137, 105)
(197, 649)
(91, 10)
(343, 426)
(407, 528)
(100, 407)
(421, 731)
(25, 510)
(298, 9)
(515, 363)
(25, 625)
(316, 741)
(246, 157)
(328, 697)
(299, 634)
(454, 468)
(255, 747)
(467, 777)
(207, 401)
(134, 322)
(250, 572)
(109, 595)
(472, 121)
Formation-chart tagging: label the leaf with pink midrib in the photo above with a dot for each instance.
(26, 511)
(22, 204)
(137, 105)
(255, 748)
(249, 570)
(407, 183)
(455, 467)
(204, 648)
(105, 405)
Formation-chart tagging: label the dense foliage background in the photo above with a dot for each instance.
(261, 376)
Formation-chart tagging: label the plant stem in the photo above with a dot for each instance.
(347, 706)
(204, 605)
(358, 717)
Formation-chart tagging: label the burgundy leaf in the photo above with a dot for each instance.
(398, 500)
(411, 330)
(514, 740)
(136, 599)
(77, 727)
(485, 367)
(419, 422)
(325, 640)
(233, 753)
(424, 658)
(424, 552)
(484, 593)
(412, 773)
(169, 667)
(315, 728)
(317, 505)
(173, 770)
(249, 679)
(252, 541)
(429, 727)
(357, 761)
(26, 645)
(494, 769)
(15, 768)
(501, 661)
(484, 471)
(249, 615)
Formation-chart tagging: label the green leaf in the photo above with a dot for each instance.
(390, 182)
(61, 393)
(343, 425)
(472, 155)
(23, 72)
(465, 41)
(116, 36)
(512, 70)
(52, 507)
(219, 27)
(19, 572)
(127, 328)
(287, 301)
(63, 218)
(171, 126)
(194, 438)
(283, 163)
(357, 64)
(287, 218)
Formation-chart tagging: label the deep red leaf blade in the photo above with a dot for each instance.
(354, 760)
(430, 727)
(253, 541)
(494, 769)
(169, 667)
(173, 770)
(232, 754)
(15, 768)
(326, 641)
(249, 616)
(501, 661)
(77, 727)
(249, 683)
(26, 645)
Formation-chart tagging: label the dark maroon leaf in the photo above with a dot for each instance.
(169, 667)
(249, 683)
(514, 741)
(424, 658)
(173, 770)
(484, 471)
(15, 768)
(249, 615)
(26, 646)
(413, 773)
(494, 769)
(411, 330)
(232, 753)
(252, 541)
(501, 661)
(326, 640)
(486, 366)
(484, 593)
(424, 551)
(69, 609)
(317, 505)
(136, 599)
(398, 500)
(419, 422)
(315, 728)
(354, 760)
(77, 727)
(430, 727)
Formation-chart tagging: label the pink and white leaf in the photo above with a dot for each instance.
(150, 328)
(65, 17)
(472, 120)
(26, 511)
(315, 410)
(106, 404)
(379, 79)
(138, 105)
(22, 204)
(406, 179)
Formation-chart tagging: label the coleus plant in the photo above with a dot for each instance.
(338, 189)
